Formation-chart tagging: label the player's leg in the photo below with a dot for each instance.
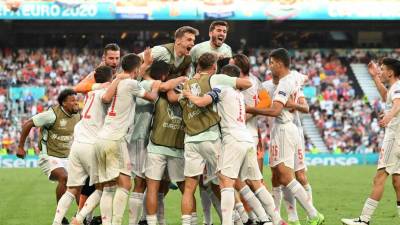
(388, 164)
(227, 198)
(106, 202)
(254, 178)
(276, 191)
(162, 193)
(124, 183)
(138, 152)
(194, 167)
(205, 203)
(61, 176)
(91, 203)
(396, 186)
(64, 203)
(154, 172)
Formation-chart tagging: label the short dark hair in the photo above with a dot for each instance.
(242, 61)
(282, 55)
(392, 64)
(130, 62)
(231, 70)
(103, 74)
(218, 23)
(111, 47)
(64, 95)
(158, 69)
(206, 60)
(185, 29)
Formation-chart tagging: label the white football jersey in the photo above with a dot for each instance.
(121, 113)
(300, 80)
(286, 88)
(393, 93)
(251, 99)
(93, 113)
(232, 110)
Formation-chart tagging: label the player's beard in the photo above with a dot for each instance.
(217, 42)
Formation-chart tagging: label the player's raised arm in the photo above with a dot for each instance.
(109, 94)
(85, 85)
(374, 71)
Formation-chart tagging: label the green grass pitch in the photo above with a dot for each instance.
(27, 198)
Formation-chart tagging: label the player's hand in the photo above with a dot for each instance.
(291, 104)
(385, 120)
(21, 152)
(186, 93)
(147, 57)
(373, 69)
(182, 79)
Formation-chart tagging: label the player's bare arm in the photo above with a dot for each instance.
(26, 128)
(301, 105)
(274, 111)
(86, 84)
(153, 95)
(391, 114)
(171, 84)
(243, 84)
(374, 71)
(197, 100)
(108, 96)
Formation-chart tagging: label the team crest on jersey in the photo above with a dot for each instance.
(195, 89)
(174, 112)
(63, 122)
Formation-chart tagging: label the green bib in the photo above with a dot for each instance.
(60, 134)
(167, 129)
(198, 119)
(174, 71)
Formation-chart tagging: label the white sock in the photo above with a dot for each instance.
(252, 216)
(398, 208)
(236, 218)
(227, 205)
(216, 202)
(268, 203)
(301, 195)
(62, 207)
(151, 219)
(369, 208)
(193, 219)
(290, 202)
(277, 195)
(89, 206)
(89, 216)
(206, 203)
(254, 203)
(144, 213)
(242, 212)
(119, 204)
(160, 209)
(308, 189)
(135, 207)
(186, 219)
(106, 203)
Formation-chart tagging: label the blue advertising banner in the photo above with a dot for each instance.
(21, 92)
(11, 161)
(201, 10)
(326, 159)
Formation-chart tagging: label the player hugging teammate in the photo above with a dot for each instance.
(167, 116)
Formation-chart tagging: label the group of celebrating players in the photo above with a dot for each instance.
(185, 114)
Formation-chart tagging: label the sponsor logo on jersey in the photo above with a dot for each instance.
(282, 93)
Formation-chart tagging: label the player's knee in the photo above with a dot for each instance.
(396, 181)
(301, 178)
